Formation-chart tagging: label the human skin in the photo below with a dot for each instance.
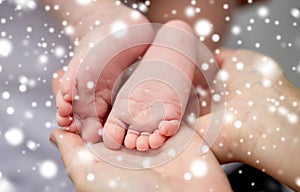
(150, 104)
(80, 162)
(78, 115)
(70, 112)
(235, 150)
(258, 137)
(167, 177)
(268, 106)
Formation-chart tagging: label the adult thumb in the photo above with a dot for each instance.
(70, 146)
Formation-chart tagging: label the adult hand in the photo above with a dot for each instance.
(189, 171)
(261, 125)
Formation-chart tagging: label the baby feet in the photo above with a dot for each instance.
(149, 107)
(84, 98)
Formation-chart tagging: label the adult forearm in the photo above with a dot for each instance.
(276, 150)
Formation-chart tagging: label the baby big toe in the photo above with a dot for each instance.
(90, 130)
(113, 133)
(169, 128)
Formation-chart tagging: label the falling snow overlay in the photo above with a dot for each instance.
(33, 46)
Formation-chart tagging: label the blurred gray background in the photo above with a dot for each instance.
(275, 25)
(28, 162)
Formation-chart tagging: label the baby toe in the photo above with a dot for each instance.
(156, 140)
(67, 86)
(90, 130)
(75, 125)
(113, 133)
(130, 139)
(64, 108)
(142, 143)
(168, 128)
(63, 121)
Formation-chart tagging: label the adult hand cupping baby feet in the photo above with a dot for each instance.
(89, 173)
(84, 97)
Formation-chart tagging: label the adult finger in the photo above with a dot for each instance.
(216, 139)
(73, 152)
(223, 55)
